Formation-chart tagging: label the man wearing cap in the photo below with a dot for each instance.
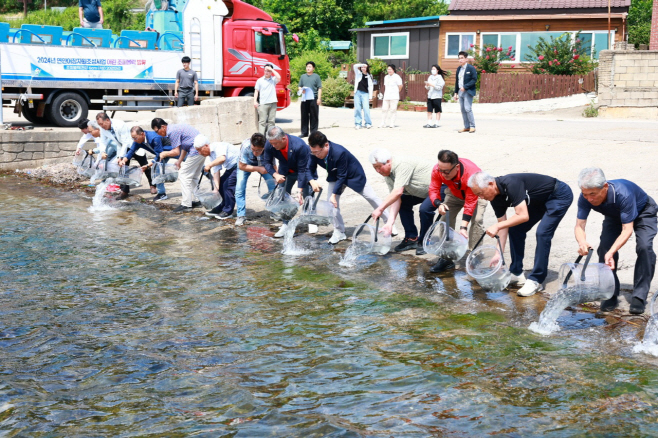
(454, 172)
(536, 199)
(627, 209)
(222, 156)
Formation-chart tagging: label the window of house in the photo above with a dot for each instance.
(503, 40)
(457, 42)
(594, 42)
(531, 39)
(390, 46)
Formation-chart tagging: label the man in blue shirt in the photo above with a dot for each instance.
(151, 142)
(293, 155)
(250, 161)
(90, 13)
(627, 209)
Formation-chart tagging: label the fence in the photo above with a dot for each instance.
(414, 84)
(501, 87)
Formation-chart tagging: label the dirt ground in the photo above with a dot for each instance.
(558, 143)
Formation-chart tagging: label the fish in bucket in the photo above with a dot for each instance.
(208, 198)
(486, 264)
(164, 173)
(282, 206)
(443, 241)
(318, 212)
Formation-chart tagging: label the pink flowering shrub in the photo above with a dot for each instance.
(559, 56)
(488, 58)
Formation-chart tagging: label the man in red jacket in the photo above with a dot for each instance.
(454, 173)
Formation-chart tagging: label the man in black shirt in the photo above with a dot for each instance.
(535, 198)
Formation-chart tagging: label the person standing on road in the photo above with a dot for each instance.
(408, 179)
(186, 88)
(434, 86)
(363, 91)
(467, 77)
(392, 88)
(454, 172)
(266, 89)
(250, 162)
(343, 170)
(310, 107)
(536, 199)
(90, 13)
(190, 162)
(627, 209)
(293, 155)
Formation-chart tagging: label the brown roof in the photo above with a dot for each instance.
(490, 5)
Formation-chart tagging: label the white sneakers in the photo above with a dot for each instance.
(337, 237)
(530, 288)
(312, 229)
(282, 231)
(518, 280)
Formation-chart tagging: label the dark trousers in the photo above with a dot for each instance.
(141, 159)
(407, 203)
(185, 96)
(291, 179)
(310, 111)
(549, 216)
(645, 227)
(227, 189)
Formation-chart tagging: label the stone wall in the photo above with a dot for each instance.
(230, 119)
(628, 78)
(29, 149)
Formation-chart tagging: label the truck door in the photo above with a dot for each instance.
(268, 48)
(239, 64)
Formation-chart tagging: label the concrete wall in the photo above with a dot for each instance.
(28, 149)
(230, 119)
(628, 79)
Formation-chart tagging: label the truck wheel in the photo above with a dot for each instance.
(249, 92)
(30, 115)
(67, 109)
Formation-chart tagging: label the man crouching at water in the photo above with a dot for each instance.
(251, 152)
(343, 170)
(627, 209)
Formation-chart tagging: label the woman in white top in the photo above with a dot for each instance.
(363, 88)
(392, 88)
(434, 86)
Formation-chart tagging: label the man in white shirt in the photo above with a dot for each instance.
(222, 156)
(84, 127)
(266, 89)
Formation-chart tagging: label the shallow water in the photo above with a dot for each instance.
(136, 322)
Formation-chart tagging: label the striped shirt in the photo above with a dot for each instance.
(183, 136)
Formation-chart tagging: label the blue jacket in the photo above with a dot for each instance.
(342, 168)
(153, 144)
(470, 79)
(298, 160)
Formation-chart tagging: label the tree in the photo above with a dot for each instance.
(559, 56)
(374, 10)
(639, 22)
(489, 58)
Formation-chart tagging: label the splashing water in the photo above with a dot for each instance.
(98, 202)
(355, 250)
(289, 247)
(649, 344)
(563, 298)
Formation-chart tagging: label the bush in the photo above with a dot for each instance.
(377, 66)
(322, 66)
(488, 59)
(591, 110)
(560, 56)
(335, 91)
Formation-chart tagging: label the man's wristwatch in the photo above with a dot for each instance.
(463, 228)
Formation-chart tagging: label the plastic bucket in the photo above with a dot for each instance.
(318, 212)
(368, 239)
(104, 170)
(282, 206)
(591, 281)
(85, 164)
(443, 241)
(164, 173)
(485, 265)
(128, 176)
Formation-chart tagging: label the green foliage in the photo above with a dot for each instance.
(116, 13)
(335, 91)
(377, 66)
(338, 58)
(488, 59)
(373, 10)
(560, 56)
(322, 66)
(639, 22)
(308, 41)
(590, 110)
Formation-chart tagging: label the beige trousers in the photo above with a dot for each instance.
(188, 176)
(476, 227)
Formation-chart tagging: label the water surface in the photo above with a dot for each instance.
(136, 322)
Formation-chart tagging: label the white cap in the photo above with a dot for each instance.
(200, 141)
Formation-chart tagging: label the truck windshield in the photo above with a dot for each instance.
(270, 44)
